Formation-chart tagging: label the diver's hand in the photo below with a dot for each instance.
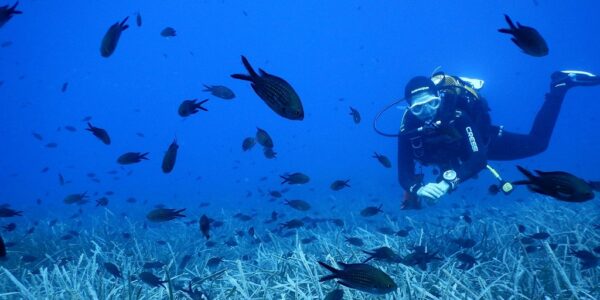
(434, 190)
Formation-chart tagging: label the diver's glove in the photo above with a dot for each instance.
(434, 190)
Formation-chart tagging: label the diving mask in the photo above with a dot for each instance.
(425, 106)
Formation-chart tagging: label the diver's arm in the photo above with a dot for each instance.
(406, 166)
(477, 157)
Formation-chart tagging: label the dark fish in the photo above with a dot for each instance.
(269, 153)
(214, 261)
(111, 38)
(300, 205)
(37, 136)
(540, 235)
(521, 228)
(362, 277)
(2, 248)
(383, 160)
(184, 261)
(371, 211)
(559, 185)
(138, 19)
(5, 44)
(205, 226)
(170, 156)
(354, 241)
(336, 294)
(102, 201)
(86, 119)
(231, 242)
(248, 143)
(151, 279)
(51, 145)
(190, 107)
(75, 198)
(419, 257)
(70, 128)
(532, 248)
(384, 254)
(493, 189)
(526, 38)
(339, 184)
(168, 32)
(263, 138)
(7, 12)
(292, 224)
(277, 93)
(45, 169)
(99, 133)
(61, 179)
(219, 91)
(113, 269)
(164, 214)
(466, 260)
(275, 194)
(337, 222)
(132, 158)
(295, 178)
(464, 243)
(355, 115)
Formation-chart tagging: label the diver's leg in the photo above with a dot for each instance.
(510, 146)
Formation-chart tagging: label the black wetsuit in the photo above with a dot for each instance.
(465, 144)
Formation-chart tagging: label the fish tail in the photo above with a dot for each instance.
(248, 67)
(526, 172)
(331, 269)
(14, 10)
(346, 183)
(199, 105)
(91, 128)
(143, 155)
(376, 155)
(509, 21)
(123, 25)
(206, 88)
(285, 179)
(178, 212)
(242, 77)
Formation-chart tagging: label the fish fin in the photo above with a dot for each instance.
(13, 9)
(242, 77)
(526, 173)
(262, 72)
(503, 30)
(178, 212)
(331, 269)
(285, 179)
(123, 25)
(91, 128)
(376, 155)
(207, 88)
(143, 156)
(249, 67)
(509, 21)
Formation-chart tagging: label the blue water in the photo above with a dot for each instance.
(336, 54)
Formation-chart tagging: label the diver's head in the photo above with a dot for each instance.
(422, 97)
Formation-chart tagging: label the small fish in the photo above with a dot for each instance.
(384, 254)
(70, 128)
(466, 260)
(86, 119)
(300, 205)
(559, 185)
(371, 211)
(292, 224)
(383, 160)
(263, 138)
(6, 44)
(99, 133)
(362, 277)
(219, 91)
(214, 261)
(168, 32)
(493, 189)
(51, 145)
(540, 235)
(248, 143)
(295, 178)
(339, 184)
(190, 107)
(275, 194)
(165, 214)
(355, 115)
(277, 93)
(113, 269)
(9, 227)
(61, 179)
(354, 241)
(102, 201)
(521, 228)
(138, 20)
(75, 198)
(205, 226)
(7, 12)
(132, 158)
(464, 243)
(526, 38)
(170, 157)
(151, 279)
(111, 38)
(37, 136)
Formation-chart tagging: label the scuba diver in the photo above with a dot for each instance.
(447, 125)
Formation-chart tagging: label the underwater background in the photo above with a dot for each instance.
(336, 55)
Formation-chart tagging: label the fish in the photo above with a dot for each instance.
(354, 241)
(138, 20)
(164, 214)
(277, 93)
(248, 143)
(190, 107)
(371, 211)
(521, 228)
(132, 158)
(355, 115)
(170, 157)
(464, 243)
(102, 201)
(263, 138)
(419, 257)
(2, 249)
(70, 128)
(362, 277)
(9, 227)
(494, 189)
(168, 32)
(151, 279)
(5, 44)
(75, 198)
(51, 145)
(540, 235)
(275, 194)
(61, 179)
(205, 226)
(214, 261)
(269, 153)
(6, 212)
(99, 133)
(219, 91)
(295, 178)
(339, 184)
(7, 12)
(111, 38)
(559, 185)
(37, 136)
(113, 269)
(300, 205)
(64, 87)
(466, 260)
(385, 254)
(292, 224)
(383, 160)
(526, 38)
